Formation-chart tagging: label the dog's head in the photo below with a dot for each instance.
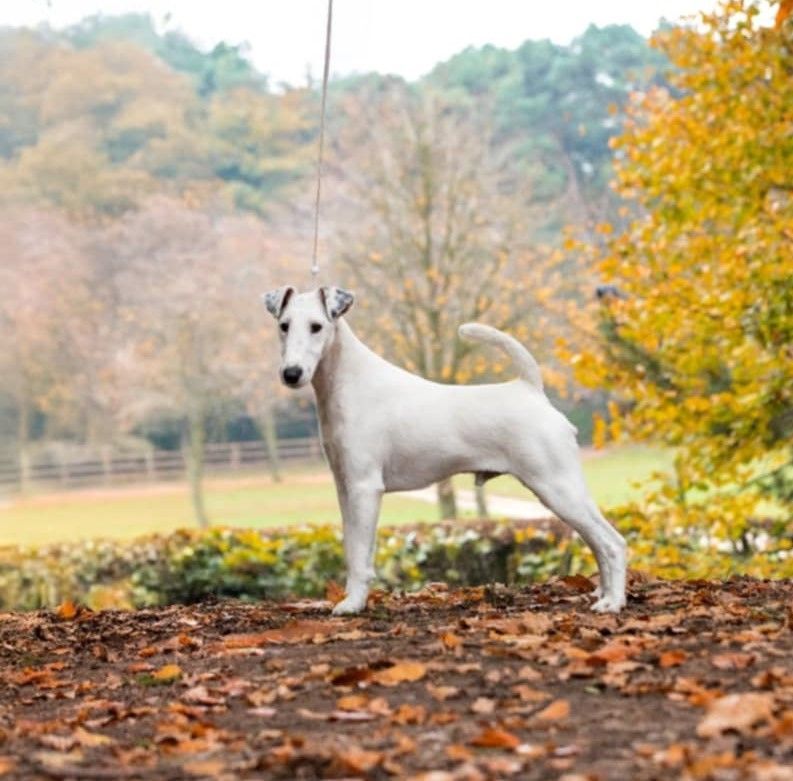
(307, 326)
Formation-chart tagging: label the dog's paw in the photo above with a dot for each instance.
(350, 605)
(609, 604)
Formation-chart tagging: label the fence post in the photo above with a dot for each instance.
(151, 465)
(234, 455)
(107, 464)
(63, 470)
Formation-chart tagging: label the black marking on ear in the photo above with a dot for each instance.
(276, 300)
(336, 301)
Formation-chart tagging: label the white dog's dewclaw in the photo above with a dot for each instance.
(384, 429)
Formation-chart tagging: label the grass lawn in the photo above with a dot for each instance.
(254, 501)
(611, 474)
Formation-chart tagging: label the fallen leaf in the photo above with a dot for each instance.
(557, 710)
(733, 661)
(334, 593)
(7, 764)
(205, 767)
(167, 673)
(352, 702)
(495, 737)
(738, 712)
(451, 641)
(578, 583)
(527, 694)
(351, 676)
(67, 610)
(400, 672)
(459, 753)
(672, 658)
(359, 760)
(483, 705)
(407, 713)
(442, 693)
(299, 631)
(201, 696)
(91, 739)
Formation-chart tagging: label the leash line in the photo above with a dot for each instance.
(314, 259)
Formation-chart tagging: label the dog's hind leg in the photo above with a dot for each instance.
(360, 507)
(570, 500)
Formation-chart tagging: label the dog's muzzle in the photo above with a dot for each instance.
(292, 375)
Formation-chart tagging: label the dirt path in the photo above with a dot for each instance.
(694, 681)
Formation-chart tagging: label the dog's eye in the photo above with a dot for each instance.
(284, 327)
(316, 328)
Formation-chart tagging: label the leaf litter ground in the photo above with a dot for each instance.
(693, 681)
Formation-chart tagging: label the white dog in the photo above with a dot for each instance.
(384, 429)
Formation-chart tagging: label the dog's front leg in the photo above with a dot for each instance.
(360, 508)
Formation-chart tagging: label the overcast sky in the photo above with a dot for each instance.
(407, 37)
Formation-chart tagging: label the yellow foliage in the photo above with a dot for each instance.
(695, 340)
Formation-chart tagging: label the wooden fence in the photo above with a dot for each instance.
(106, 467)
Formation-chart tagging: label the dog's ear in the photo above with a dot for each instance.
(276, 300)
(336, 301)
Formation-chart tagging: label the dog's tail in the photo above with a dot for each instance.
(528, 368)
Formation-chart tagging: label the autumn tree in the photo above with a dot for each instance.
(694, 336)
(432, 234)
(42, 275)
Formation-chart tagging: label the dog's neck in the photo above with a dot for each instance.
(345, 349)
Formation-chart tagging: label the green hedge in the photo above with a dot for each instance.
(188, 566)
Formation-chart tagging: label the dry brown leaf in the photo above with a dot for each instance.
(298, 631)
(557, 710)
(352, 702)
(7, 764)
(483, 705)
(334, 593)
(380, 706)
(91, 739)
(167, 673)
(610, 653)
(672, 658)
(359, 760)
(738, 712)
(209, 768)
(459, 753)
(451, 641)
(577, 583)
(527, 694)
(201, 696)
(351, 676)
(67, 610)
(400, 672)
(442, 693)
(495, 737)
(407, 713)
(733, 661)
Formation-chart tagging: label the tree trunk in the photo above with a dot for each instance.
(194, 457)
(267, 423)
(481, 500)
(447, 504)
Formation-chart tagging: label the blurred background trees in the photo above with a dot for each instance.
(149, 190)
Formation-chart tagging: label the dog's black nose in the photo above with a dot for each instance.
(292, 375)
